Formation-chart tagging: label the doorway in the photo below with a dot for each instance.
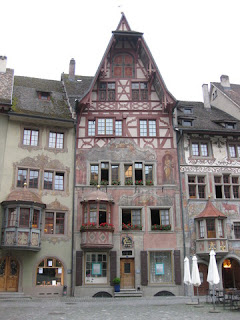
(203, 288)
(9, 274)
(231, 274)
(127, 272)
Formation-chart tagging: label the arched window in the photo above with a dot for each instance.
(50, 273)
(123, 66)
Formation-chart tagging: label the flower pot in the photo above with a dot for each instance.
(117, 287)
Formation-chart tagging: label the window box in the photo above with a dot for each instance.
(129, 182)
(139, 182)
(130, 226)
(161, 227)
(104, 182)
(93, 183)
(115, 182)
(89, 225)
(106, 225)
(149, 183)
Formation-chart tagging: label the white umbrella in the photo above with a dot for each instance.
(213, 276)
(187, 277)
(195, 274)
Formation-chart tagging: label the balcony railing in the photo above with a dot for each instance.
(97, 236)
(204, 246)
(21, 238)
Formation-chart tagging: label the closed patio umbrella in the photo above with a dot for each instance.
(213, 276)
(187, 276)
(195, 274)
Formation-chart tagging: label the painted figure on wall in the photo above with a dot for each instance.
(167, 169)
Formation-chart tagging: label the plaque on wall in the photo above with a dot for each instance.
(127, 242)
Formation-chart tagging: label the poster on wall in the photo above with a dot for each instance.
(40, 270)
(96, 268)
(159, 268)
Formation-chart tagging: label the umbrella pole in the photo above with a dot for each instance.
(213, 298)
(197, 295)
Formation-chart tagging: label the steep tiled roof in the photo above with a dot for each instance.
(233, 92)
(210, 212)
(26, 101)
(6, 86)
(76, 88)
(205, 119)
(23, 195)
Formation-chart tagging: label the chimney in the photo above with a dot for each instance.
(72, 69)
(206, 98)
(3, 64)
(225, 81)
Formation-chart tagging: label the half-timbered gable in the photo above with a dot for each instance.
(126, 150)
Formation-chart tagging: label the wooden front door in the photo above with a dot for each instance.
(9, 274)
(127, 271)
(203, 288)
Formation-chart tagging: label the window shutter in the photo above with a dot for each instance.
(144, 268)
(177, 267)
(113, 266)
(79, 257)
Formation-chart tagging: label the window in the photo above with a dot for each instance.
(131, 219)
(91, 127)
(55, 140)
(227, 187)
(149, 174)
(214, 94)
(187, 110)
(201, 229)
(139, 91)
(53, 180)
(24, 217)
(138, 173)
(211, 231)
(115, 174)
(30, 137)
(54, 223)
(200, 149)
(220, 228)
(35, 219)
(118, 128)
(105, 126)
(160, 219)
(161, 267)
(229, 125)
(196, 187)
(43, 95)
(187, 123)
(107, 91)
(148, 128)
(95, 213)
(50, 272)
(12, 216)
(104, 172)
(94, 174)
(234, 150)
(123, 66)
(28, 176)
(96, 267)
(236, 228)
(128, 174)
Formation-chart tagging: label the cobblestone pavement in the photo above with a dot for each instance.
(164, 308)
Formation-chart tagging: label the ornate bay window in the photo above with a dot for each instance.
(22, 221)
(97, 228)
(210, 231)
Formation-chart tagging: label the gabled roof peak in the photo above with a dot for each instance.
(123, 24)
(210, 212)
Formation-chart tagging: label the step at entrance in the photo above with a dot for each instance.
(126, 293)
(13, 296)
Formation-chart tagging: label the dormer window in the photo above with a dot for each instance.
(229, 125)
(187, 123)
(188, 111)
(43, 95)
(214, 95)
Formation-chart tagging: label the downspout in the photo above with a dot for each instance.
(73, 202)
(179, 136)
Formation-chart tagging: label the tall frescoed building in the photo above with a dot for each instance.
(127, 202)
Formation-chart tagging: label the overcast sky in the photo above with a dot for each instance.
(192, 41)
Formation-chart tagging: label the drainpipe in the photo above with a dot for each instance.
(73, 203)
(179, 136)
